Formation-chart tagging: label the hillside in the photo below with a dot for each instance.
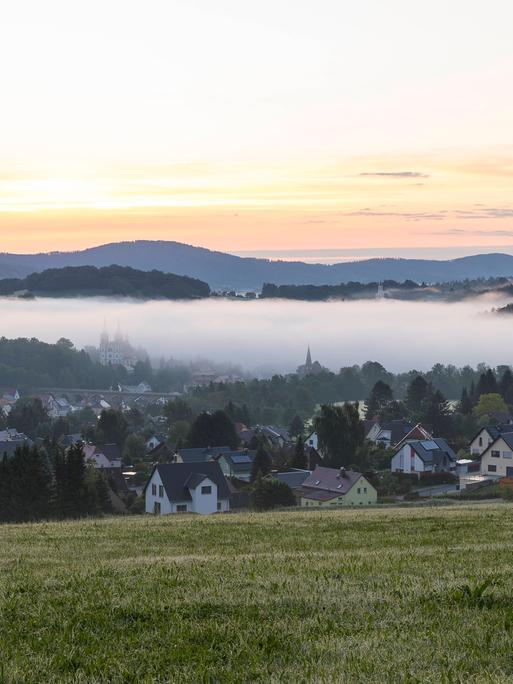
(114, 281)
(226, 271)
(366, 595)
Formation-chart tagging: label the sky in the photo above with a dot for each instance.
(278, 126)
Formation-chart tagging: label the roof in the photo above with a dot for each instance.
(506, 437)
(292, 478)
(433, 451)
(203, 454)
(239, 461)
(416, 433)
(493, 430)
(177, 478)
(328, 483)
(398, 429)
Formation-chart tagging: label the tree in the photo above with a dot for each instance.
(489, 403)
(417, 391)
(506, 386)
(134, 449)
(177, 410)
(261, 464)
(112, 428)
(487, 383)
(299, 460)
(297, 427)
(465, 403)
(210, 430)
(27, 415)
(340, 432)
(268, 493)
(378, 399)
(436, 412)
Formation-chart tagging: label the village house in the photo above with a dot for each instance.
(186, 488)
(487, 436)
(200, 455)
(102, 456)
(293, 478)
(422, 456)
(497, 459)
(154, 441)
(327, 487)
(237, 464)
(390, 433)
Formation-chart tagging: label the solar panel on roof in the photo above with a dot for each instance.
(242, 458)
(430, 444)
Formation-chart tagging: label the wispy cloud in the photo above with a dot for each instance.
(394, 174)
(406, 215)
(474, 233)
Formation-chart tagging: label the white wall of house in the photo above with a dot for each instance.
(155, 493)
(480, 443)
(406, 460)
(373, 432)
(497, 460)
(204, 497)
(312, 441)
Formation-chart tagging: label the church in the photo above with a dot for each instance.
(116, 351)
(309, 367)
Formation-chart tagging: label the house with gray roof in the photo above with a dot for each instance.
(200, 455)
(486, 436)
(424, 456)
(237, 464)
(328, 487)
(186, 488)
(294, 478)
(497, 459)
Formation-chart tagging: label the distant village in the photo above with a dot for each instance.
(154, 454)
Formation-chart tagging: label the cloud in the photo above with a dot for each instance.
(406, 215)
(395, 174)
(474, 233)
(483, 213)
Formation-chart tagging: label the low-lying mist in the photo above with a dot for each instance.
(272, 336)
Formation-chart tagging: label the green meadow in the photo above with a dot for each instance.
(384, 595)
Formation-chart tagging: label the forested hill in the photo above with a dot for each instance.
(119, 281)
(227, 271)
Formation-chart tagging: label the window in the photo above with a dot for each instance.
(218, 505)
(365, 490)
(154, 490)
(161, 491)
(156, 507)
(207, 489)
(496, 454)
(507, 454)
(358, 490)
(181, 508)
(480, 441)
(492, 468)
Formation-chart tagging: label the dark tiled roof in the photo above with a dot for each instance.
(507, 437)
(398, 429)
(203, 454)
(433, 451)
(293, 478)
(177, 478)
(111, 451)
(239, 461)
(330, 480)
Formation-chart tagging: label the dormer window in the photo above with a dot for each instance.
(206, 489)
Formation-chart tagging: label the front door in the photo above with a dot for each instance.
(156, 507)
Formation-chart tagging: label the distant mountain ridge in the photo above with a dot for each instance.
(226, 271)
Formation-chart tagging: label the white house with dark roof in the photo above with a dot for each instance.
(186, 488)
(497, 459)
(424, 456)
(487, 436)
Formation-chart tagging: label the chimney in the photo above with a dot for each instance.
(342, 472)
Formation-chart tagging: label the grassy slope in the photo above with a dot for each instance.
(370, 595)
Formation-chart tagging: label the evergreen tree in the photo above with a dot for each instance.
(261, 464)
(112, 428)
(297, 427)
(436, 413)
(416, 393)
(210, 430)
(268, 493)
(465, 403)
(299, 460)
(487, 383)
(103, 494)
(5, 489)
(378, 399)
(506, 386)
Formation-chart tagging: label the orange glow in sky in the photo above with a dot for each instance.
(253, 126)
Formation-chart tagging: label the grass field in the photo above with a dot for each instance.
(395, 595)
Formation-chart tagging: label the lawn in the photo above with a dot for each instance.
(390, 595)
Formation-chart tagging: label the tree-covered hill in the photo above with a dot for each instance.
(118, 281)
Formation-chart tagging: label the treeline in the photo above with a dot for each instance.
(118, 281)
(324, 292)
(48, 482)
(29, 363)
(278, 399)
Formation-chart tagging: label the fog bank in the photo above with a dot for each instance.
(272, 336)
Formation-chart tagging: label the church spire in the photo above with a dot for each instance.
(308, 358)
